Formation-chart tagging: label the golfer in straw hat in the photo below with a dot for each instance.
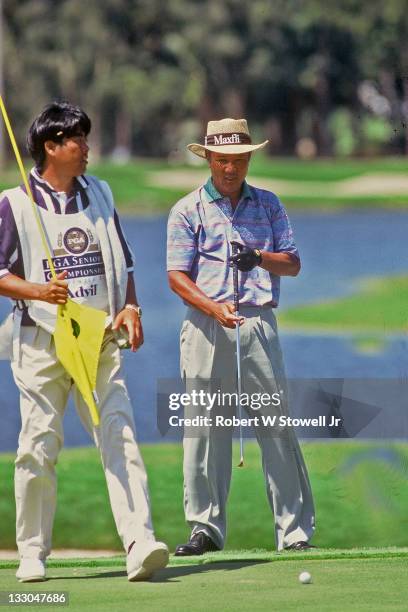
(96, 268)
(203, 228)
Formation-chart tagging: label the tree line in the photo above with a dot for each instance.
(325, 77)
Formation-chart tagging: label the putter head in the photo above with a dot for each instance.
(241, 463)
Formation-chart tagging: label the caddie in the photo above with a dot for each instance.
(95, 267)
(203, 227)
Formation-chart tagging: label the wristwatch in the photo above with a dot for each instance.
(137, 309)
(258, 255)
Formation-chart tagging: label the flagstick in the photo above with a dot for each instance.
(27, 186)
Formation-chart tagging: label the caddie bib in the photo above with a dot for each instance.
(74, 246)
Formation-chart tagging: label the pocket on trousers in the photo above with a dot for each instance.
(6, 338)
(272, 346)
(269, 321)
(186, 337)
(197, 339)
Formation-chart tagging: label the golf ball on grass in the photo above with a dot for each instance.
(305, 578)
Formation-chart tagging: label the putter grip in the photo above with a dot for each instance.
(235, 281)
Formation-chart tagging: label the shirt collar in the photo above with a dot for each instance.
(214, 194)
(80, 181)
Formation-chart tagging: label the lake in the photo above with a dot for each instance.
(337, 250)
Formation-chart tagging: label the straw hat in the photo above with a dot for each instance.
(226, 136)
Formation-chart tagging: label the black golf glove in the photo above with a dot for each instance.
(246, 259)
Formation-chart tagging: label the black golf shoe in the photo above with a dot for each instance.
(199, 544)
(301, 545)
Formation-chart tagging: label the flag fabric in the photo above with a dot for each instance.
(78, 337)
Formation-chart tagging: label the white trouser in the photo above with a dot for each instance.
(44, 388)
(208, 362)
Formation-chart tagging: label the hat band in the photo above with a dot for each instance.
(227, 139)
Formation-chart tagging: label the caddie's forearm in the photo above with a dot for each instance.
(181, 283)
(281, 264)
(16, 288)
(131, 290)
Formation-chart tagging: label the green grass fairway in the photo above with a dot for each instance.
(360, 491)
(379, 306)
(238, 581)
(325, 170)
(136, 193)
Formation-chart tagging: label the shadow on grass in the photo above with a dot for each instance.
(170, 574)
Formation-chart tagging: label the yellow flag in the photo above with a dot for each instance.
(79, 329)
(78, 340)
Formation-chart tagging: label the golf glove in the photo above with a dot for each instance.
(246, 259)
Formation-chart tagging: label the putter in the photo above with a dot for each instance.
(238, 347)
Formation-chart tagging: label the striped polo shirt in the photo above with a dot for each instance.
(46, 197)
(201, 227)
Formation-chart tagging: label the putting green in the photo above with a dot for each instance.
(371, 579)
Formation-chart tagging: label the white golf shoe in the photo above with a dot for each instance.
(31, 570)
(145, 558)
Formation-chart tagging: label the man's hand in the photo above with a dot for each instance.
(225, 315)
(246, 259)
(224, 312)
(56, 290)
(131, 320)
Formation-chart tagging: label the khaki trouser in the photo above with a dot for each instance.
(208, 362)
(44, 388)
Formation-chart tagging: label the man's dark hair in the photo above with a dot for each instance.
(56, 121)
